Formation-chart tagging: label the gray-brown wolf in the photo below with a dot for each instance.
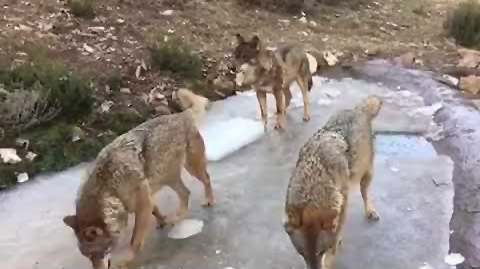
(273, 71)
(337, 156)
(130, 170)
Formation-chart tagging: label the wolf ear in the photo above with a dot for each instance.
(71, 221)
(240, 39)
(255, 42)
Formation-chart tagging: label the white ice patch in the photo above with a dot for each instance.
(22, 177)
(324, 102)
(454, 259)
(222, 138)
(247, 93)
(297, 101)
(426, 266)
(9, 156)
(331, 92)
(426, 111)
(312, 63)
(186, 228)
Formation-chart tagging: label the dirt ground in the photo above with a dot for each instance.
(115, 39)
(114, 44)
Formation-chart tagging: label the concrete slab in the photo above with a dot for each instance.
(244, 230)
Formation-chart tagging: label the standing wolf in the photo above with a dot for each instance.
(273, 71)
(130, 170)
(337, 156)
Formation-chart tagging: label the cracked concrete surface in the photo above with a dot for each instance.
(412, 191)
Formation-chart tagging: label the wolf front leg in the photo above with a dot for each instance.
(143, 217)
(281, 116)
(262, 101)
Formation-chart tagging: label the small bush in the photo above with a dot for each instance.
(82, 8)
(115, 81)
(121, 123)
(55, 150)
(52, 87)
(23, 109)
(464, 23)
(171, 54)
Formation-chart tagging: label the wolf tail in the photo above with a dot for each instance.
(195, 103)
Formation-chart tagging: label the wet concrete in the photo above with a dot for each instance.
(459, 119)
(412, 191)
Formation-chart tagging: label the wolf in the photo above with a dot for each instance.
(129, 171)
(336, 157)
(273, 71)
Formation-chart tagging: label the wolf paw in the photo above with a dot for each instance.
(373, 215)
(161, 223)
(279, 126)
(306, 118)
(207, 204)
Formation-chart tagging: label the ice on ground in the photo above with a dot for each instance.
(250, 93)
(186, 228)
(222, 138)
(454, 259)
(426, 111)
(324, 102)
(22, 177)
(331, 92)
(426, 266)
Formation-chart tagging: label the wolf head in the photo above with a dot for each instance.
(313, 233)
(94, 242)
(246, 57)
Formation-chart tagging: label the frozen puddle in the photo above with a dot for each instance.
(186, 228)
(227, 136)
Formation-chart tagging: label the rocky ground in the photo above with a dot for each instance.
(112, 45)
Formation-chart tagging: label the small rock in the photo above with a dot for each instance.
(120, 21)
(470, 84)
(154, 95)
(22, 177)
(313, 23)
(9, 155)
(330, 58)
(96, 29)
(25, 28)
(31, 156)
(161, 110)
(470, 58)
(105, 107)
(167, 12)
(406, 60)
(451, 79)
(303, 19)
(218, 251)
(87, 48)
(125, 90)
(138, 71)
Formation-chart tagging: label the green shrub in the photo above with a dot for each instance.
(55, 150)
(63, 90)
(115, 81)
(169, 53)
(464, 23)
(82, 8)
(120, 123)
